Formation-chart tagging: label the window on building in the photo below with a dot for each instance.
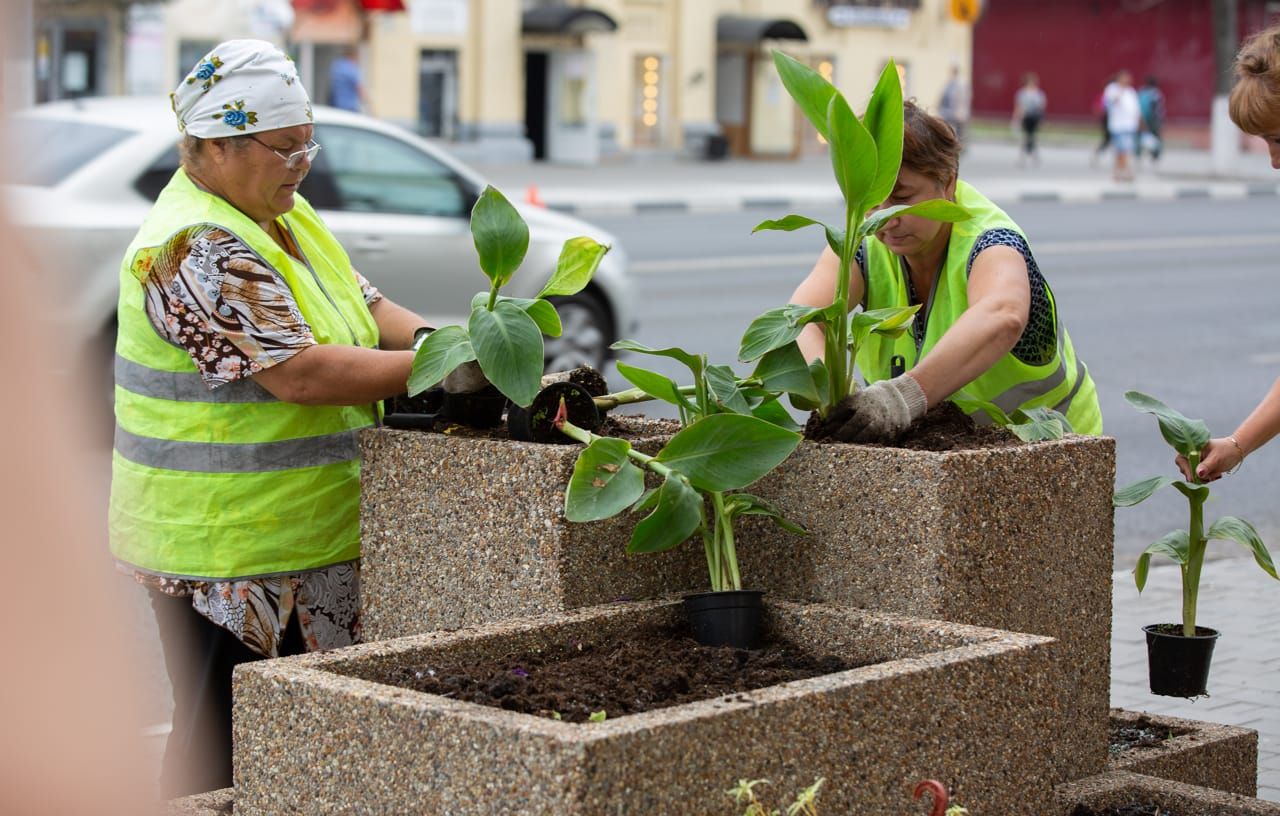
(647, 115)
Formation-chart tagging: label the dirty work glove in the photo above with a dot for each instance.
(881, 412)
(465, 379)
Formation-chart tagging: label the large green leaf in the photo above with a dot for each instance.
(442, 351)
(935, 209)
(808, 88)
(884, 121)
(1042, 415)
(774, 329)
(579, 259)
(785, 369)
(542, 312)
(1038, 424)
(1230, 528)
(604, 481)
(1186, 436)
(1176, 545)
(853, 153)
(508, 345)
(821, 378)
(693, 361)
(727, 451)
(969, 405)
(654, 384)
(789, 223)
(676, 516)
(726, 390)
(1194, 492)
(1131, 494)
(501, 236)
(775, 413)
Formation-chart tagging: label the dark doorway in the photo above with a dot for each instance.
(535, 101)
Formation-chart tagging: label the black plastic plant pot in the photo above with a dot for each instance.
(730, 618)
(481, 409)
(1177, 665)
(537, 422)
(413, 413)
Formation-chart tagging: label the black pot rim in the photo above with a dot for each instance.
(724, 592)
(1150, 629)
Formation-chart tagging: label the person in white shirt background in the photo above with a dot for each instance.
(1124, 118)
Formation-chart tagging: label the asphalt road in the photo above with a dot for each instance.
(1172, 298)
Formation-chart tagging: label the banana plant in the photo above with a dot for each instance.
(1030, 425)
(1186, 547)
(866, 154)
(504, 334)
(734, 432)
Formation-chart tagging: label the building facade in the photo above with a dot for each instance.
(571, 82)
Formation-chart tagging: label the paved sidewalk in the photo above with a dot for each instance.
(1242, 602)
(672, 184)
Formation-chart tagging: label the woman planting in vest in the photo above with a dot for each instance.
(249, 353)
(988, 325)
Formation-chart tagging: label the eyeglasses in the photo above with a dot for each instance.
(294, 160)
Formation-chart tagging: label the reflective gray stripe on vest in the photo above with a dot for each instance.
(185, 386)
(1016, 396)
(221, 457)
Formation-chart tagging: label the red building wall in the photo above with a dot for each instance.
(1075, 46)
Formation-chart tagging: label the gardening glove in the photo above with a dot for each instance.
(465, 379)
(881, 412)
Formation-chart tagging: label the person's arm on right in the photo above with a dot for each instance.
(819, 289)
(1222, 453)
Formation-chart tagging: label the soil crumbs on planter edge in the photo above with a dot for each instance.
(1144, 733)
(650, 669)
(943, 428)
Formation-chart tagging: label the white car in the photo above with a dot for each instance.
(90, 169)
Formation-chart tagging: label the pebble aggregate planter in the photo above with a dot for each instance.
(1118, 788)
(1222, 757)
(212, 803)
(969, 705)
(458, 531)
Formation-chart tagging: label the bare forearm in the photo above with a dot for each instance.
(1262, 424)
(396, 324)
(971, 346)
(338, 375)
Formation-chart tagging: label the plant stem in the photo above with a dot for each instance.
(728, 549)
(837, 335)
(1196, 546)
(493, 296)
(586, 437)
(629, 396)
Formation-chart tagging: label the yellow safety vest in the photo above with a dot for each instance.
(232, 482)
(1063, 383)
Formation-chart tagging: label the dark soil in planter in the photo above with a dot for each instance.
(1131, 809)
(648, 669)
(945, 427)
(1144, 733)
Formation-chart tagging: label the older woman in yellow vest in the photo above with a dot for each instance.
(988, 325)
(249, 354)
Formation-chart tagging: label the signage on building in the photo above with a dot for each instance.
(965, 11)
(894, 14)
(447, 17)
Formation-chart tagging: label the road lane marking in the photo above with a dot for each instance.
(1042, 249)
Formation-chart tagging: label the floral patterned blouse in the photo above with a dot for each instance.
(211, 295)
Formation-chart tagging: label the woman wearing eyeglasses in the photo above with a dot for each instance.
(249, 354)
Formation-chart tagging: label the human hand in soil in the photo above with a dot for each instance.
(467, 378)
(881, 412)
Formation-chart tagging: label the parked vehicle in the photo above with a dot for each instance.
(82, 175)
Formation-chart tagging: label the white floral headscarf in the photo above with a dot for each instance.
(241, 87)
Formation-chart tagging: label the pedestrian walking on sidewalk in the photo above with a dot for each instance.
(1100, 111)
(988, 323)
(1254, 106)
(954, 106)
(1029, 104)
(1124, 119)
(249, 354)
(1151, 103)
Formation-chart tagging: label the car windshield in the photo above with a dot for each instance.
(52, 149)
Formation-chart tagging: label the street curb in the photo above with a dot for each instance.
(782, 204)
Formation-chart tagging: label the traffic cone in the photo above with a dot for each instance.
(531, 196)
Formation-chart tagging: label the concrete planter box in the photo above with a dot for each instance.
(458, 531)
(213, 803)
(1117, 788)
(313, 734)
(1222, 757)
